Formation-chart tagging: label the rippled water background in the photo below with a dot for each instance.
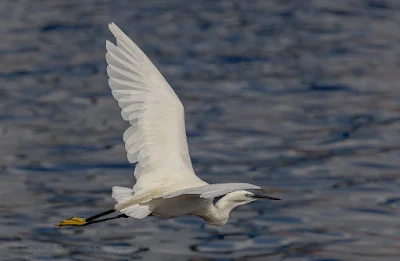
(300, 96)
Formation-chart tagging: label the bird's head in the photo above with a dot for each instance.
(242, 197)
(231, 200)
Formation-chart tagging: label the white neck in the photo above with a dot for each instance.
(218, 215)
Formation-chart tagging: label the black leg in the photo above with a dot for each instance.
(78, 221)
(105, 219)
(100, 215)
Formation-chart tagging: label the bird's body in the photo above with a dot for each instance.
(182, 205)
(166, 184)
(187, 205)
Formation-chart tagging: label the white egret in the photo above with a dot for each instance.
(166, 184)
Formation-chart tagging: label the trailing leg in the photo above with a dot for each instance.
(78, 221)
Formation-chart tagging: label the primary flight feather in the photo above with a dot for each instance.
(166, 184)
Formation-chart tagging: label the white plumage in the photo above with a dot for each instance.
(166, 185)
(156, 139)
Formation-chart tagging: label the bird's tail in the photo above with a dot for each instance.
(121, 194)
(124, 197)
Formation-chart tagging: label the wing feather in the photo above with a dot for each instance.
(156, 139)
(213, 190)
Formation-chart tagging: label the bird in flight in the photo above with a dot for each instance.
(166, 184)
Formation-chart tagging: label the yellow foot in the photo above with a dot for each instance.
(74, 221)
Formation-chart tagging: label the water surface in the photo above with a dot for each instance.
(299, 96)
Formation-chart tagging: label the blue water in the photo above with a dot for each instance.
(299, 96)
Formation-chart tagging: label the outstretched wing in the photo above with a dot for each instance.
(156, 139)
(213, 190)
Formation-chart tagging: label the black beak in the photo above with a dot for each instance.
(262, 194)
(265, 197)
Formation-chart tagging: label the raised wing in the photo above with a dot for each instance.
(213, 190)
(156, 139)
